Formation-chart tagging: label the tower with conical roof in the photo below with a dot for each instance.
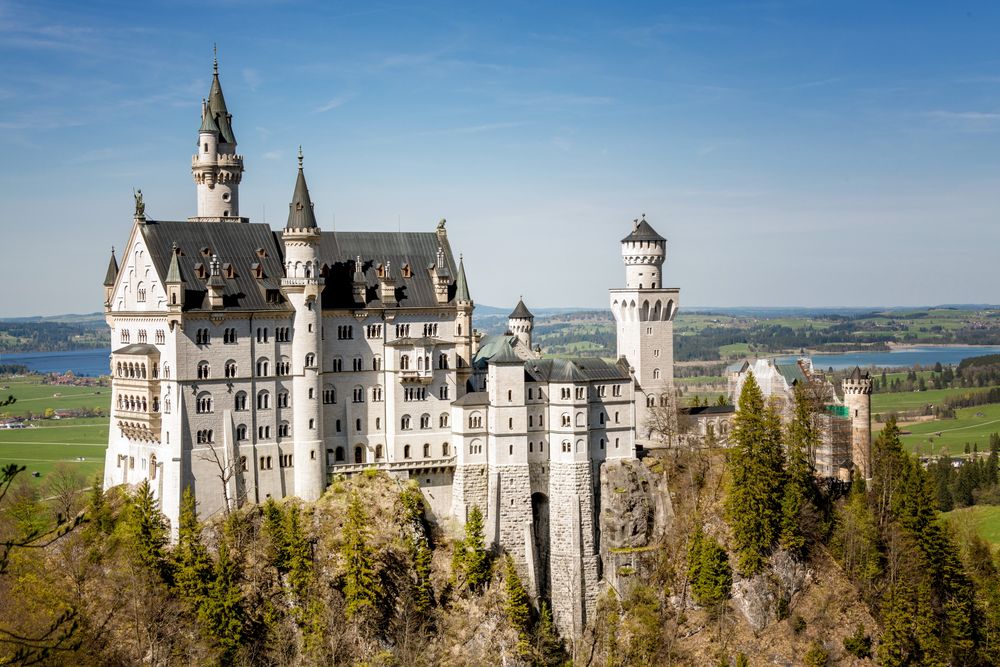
(521, 322)
(644, 314)
(301, 286)
(216, 167)
(110, 278)
(463, 327)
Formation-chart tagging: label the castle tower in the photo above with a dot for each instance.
(521, 322)
(463, 328)
(216, 167)
(644, 312)
(858, 400)
(110, 278)
(301, 286)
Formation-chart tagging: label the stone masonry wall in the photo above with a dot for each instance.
(573, 553)
(469, 487)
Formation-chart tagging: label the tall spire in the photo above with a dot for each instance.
(217, 106)
(300, 211)
(174, 271)
(462, 284)
(112, 274)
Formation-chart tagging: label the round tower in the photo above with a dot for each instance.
(643, 252)
(520, 323)
(858, 400)
(216, 167)
(301, 286)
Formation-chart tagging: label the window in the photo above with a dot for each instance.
(531, 421)
(427, 450)
(442, 360)
(475, 420)
(359, 454)
(359, 395)
(241, 432)
(402, 331)
(339, 454)
(338, 426)
(283, 430)
(345, 332)
(124, 336)
(443, 392)
(616, 443)
(404, 423)
(243, 463)
(161, 337)
(425, 421)
(204, 403)
(476, 447)
(378, 452)
(140, 294)
(142, 335)
(240, 402)
(281, 334)
(262, 335)
(205, 436)
(166, 406)
(443, 420)
(265, 463)
(263, 366)
(656, 353)
(357, 425)
(263, 400)
(600, 418)
(376, 394)
(445, 449)
(602, 443)
(581, 393)
(510, 424)
(373, 331)
(201, 337)
(166, 371)
(283, 367)
(404, 362)
(310, 360)
(376, 363)
(406, 451)
(566, 420)
(264, 433)
(229, 336)
(616, 390)
(204, 370)
(358, 364)
(286, 460)
(329, 394)
(566, 446)
(510, 396)
(282, 401)
(565, 392)
(338, 365)
(230, 369)
(656, 373)
(617, 417)
(312, 393)
(378, 423)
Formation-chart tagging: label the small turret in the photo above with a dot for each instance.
(442, 277)
(462, 285)
(643, 252)
(521, 322)
(216, 167)
(109, 280)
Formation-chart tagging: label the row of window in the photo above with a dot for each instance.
(133, 369)
(360, 451)
(125, 336)
(129, 403)
(423, 362)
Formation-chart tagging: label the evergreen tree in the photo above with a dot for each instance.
(423, 590)
(361, 584)
(274, 528)
(222, 613)
(756, 477)
(856, 541)
(708, 571)
(800, 484)
(193, 565)
(549, 651)
(146, 530)
(471, 563)
(516, 606)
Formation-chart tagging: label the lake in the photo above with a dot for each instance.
(81, 362)
(925, 356)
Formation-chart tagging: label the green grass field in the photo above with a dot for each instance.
(33, 396)
(983, 519)
(53, 441)
(972, 425)
(914, 400)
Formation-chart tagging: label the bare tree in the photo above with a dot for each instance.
(227, 469)
(62, 488)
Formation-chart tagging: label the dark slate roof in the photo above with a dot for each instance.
(521, 312)
(473, 398)
(574, 370)
(217, 107)
(643, 231)
(858, 374)
(140, 349)
(414, 342)
(708, 410)
(234, 243)
(462, 285)
(339, 251)
(208, 123)
(300, 211)
(112, 274)
(506, 355)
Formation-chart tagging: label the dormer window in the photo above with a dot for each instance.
(200, 270)
(261, 252)
(407, 271)
(206, 251)
(380, 270)
(258, 270)
(228, 270)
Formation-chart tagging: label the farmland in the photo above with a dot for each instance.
(983, 519)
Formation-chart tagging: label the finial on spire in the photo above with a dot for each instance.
(300, 156)
(215, 58)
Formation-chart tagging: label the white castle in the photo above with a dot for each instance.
(250, 364)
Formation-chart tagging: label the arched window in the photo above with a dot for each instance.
(420, 363)
(359, 394)
(378, 452)
(241, 432)
(404, 362)
(404, 423)
(204, 403)
(152, 467)
(230, 369)
(445, 449)
(310, 360)
(376, 363)
(427, 450)
(263, 400)
(357, 425)
(425, 421)
(656, 373)
(166, 371)
(283, 429)
(359, 454)
(263, 367)
(204, 370)
(329, 394)
(580, 420)
(376, 394)
(442, 360)
(406, 451)
(566, 419)
(476, 420)
(240, 402)
(443, 420)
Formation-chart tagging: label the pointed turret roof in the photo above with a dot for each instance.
(208, 123)
(462, 284)
(642, 231)
(174, 272)
(112, 274)
(217, 107)
(300, 211)
(521, 312)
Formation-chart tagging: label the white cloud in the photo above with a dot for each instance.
(336, 102)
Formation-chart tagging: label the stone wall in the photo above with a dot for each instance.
(469, 487)
(574, 568)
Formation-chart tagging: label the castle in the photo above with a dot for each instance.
(250, 364)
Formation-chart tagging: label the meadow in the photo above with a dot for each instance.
(971, 425)
(915, 400)
(983, 519)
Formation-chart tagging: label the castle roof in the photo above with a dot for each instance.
(577, 369)
(858, 374)
(521, 312)
(643, 231)
(473, 398)
(792, 373)
(248, 247)
(112, 274)
(462, 284)
(300, 211)
(217, 108)
(208, 123)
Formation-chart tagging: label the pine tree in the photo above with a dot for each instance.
(516, 606)
(471, 563)
(549, 651)
(193, 565)
(800, 485)
(274, 528)
(856, 541)
(223, 613)
(423, 590)
(146, 530)
(709, 573)
(756, 478)
(361, 585)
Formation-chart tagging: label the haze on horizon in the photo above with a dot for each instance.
(792, 153)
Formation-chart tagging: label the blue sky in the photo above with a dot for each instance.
(793, 153)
